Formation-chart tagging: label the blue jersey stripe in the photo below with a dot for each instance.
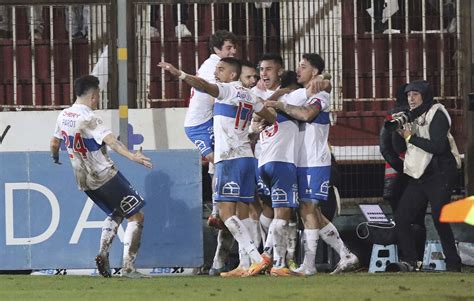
(222, 109)
(322, 118)
(282, 117)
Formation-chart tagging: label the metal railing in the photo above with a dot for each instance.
(368, 49)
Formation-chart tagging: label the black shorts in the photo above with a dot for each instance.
(117, 197)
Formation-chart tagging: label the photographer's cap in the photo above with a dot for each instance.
(417, 85)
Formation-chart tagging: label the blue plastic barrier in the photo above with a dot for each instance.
(48, 223)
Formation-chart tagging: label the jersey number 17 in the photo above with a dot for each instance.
(244, 113)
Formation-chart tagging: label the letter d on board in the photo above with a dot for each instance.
(9, 215)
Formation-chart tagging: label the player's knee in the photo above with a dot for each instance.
(137, 217)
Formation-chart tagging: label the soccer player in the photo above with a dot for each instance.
(270, 68)
(313, 167)
(198, 123)
(86, 139)
(235, 172)
(277, 167)
(249, 215)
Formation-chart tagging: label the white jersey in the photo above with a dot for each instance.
(233, 111)
(279, 141)
(263, 94)
(83, 133)
(200, 104)
(313, 137)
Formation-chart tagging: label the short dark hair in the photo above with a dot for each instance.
(315, 60)
(289, 78)
(219, 37)
(246, 63)
(83, 84)
(235, 63)
(272, 56)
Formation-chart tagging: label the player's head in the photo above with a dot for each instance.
(271, 68)
(248, 75)
(289, 80)
(86, 89)
(228, 69)
(311, 65)
(223, 43)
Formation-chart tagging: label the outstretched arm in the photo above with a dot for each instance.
(303, 113)
(279, 93)
(118, 147)
(194, 81)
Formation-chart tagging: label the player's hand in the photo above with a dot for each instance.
(56, 159)
(317, 84)
(261, 85)
(278, 105)
(139, 157)
(170, 68)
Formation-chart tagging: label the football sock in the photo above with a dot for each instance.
(255, 232)
(310, 243)
(225, 240)
(243, 256)
(241, 234)
(292, 237)
(268, 246)
(280, 239)
(330, 235)
(109, 230)
(265, 222)
(215, 207)
(131, 244)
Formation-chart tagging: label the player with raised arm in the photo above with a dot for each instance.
(314, 166)
(86, 139)
(235, 172)
(198, 123)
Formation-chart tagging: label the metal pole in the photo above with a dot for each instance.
(122, 57)
(466, 34)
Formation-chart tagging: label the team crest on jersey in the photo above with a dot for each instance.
(231, 188)
(324, 187)
(129, 203)
(201, 145)
(279, 195)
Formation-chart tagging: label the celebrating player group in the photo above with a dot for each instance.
(268, 142)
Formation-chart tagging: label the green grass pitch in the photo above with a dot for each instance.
(351, 286)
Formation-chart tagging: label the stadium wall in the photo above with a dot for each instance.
(152, 129)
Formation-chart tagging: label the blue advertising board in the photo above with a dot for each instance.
(49, 223)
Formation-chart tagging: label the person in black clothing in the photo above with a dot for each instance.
(392, 147)
(432, 167)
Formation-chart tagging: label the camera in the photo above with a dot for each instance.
(398, 120)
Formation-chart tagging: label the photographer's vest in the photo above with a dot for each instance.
(416, 159)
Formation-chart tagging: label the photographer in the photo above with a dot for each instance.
(431, 165)
(393, 147)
